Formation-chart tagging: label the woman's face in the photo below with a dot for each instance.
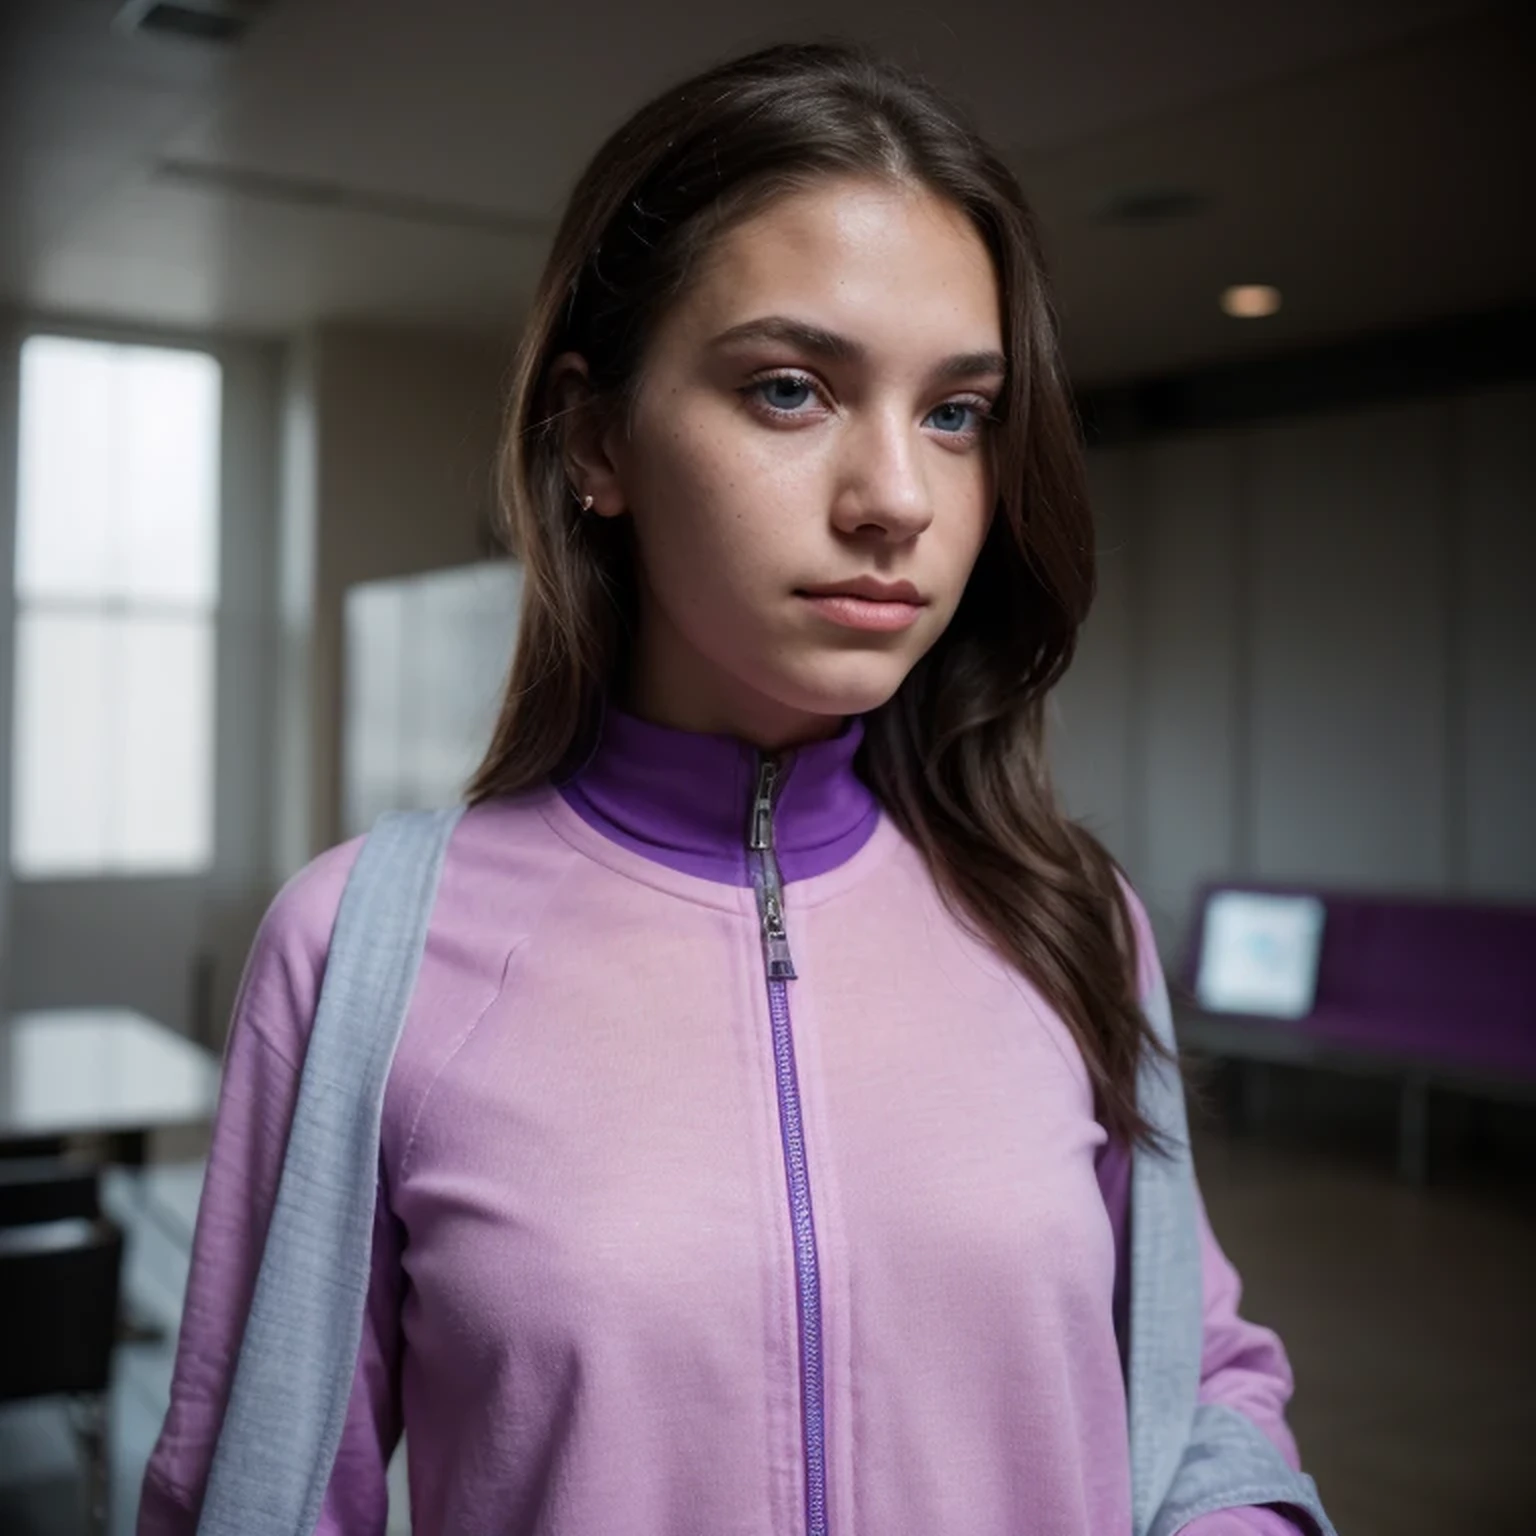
(807, 463)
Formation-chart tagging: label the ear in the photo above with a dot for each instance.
(588, 465)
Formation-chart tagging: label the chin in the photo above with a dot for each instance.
(841, 684)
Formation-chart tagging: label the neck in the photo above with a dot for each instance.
(675, 686)
(772, 737)
(764, 724)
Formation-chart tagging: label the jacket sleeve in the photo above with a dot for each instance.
(1243, 1365)
(268, 1036)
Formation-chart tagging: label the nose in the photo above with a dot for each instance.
(882, 489)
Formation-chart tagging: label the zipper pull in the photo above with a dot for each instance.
(770, 896)
(762, 807)
(781, 964)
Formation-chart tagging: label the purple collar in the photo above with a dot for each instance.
(685, 800)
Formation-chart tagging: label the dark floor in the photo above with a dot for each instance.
(1409, 1314)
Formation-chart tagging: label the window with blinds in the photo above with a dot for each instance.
(117, 544)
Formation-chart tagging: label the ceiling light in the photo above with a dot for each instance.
(1250, 301)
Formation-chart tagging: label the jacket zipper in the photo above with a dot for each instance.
(779, 965)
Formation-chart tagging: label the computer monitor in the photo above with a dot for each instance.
(1259, 953)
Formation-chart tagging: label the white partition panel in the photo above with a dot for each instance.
(426, 662)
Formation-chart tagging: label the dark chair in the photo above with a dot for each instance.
(37, 1189)
(60, 1278)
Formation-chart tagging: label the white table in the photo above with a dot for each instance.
(107, 1073)
(107, 1076)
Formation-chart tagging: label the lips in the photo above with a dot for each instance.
(877, 607)
(870, 590)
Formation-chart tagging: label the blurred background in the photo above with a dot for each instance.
(261, 269)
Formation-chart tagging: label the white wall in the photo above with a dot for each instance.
(390, 444)
(1314, 655)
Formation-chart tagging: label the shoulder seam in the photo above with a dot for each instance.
(458, 1045)
(468, 1031)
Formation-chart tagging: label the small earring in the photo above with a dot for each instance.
(586, 503)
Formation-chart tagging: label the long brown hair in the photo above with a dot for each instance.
(957, 756)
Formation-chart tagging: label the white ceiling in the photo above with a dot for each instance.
(396, 162)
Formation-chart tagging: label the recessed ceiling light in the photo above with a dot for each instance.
(1250, 301)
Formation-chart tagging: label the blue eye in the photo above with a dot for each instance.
(955, 416)
(785, 393)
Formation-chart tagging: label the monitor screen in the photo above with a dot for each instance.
(1258, 953)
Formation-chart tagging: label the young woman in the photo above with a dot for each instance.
(756, 1154)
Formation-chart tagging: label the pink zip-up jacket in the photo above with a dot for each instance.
(669, 1240)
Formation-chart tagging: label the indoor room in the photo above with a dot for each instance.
(321, 501)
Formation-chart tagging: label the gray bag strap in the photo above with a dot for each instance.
(298, 1357)
(1187, 1459)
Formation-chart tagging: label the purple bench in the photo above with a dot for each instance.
(1439, 994)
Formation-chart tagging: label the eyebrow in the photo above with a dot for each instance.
(843, 349)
